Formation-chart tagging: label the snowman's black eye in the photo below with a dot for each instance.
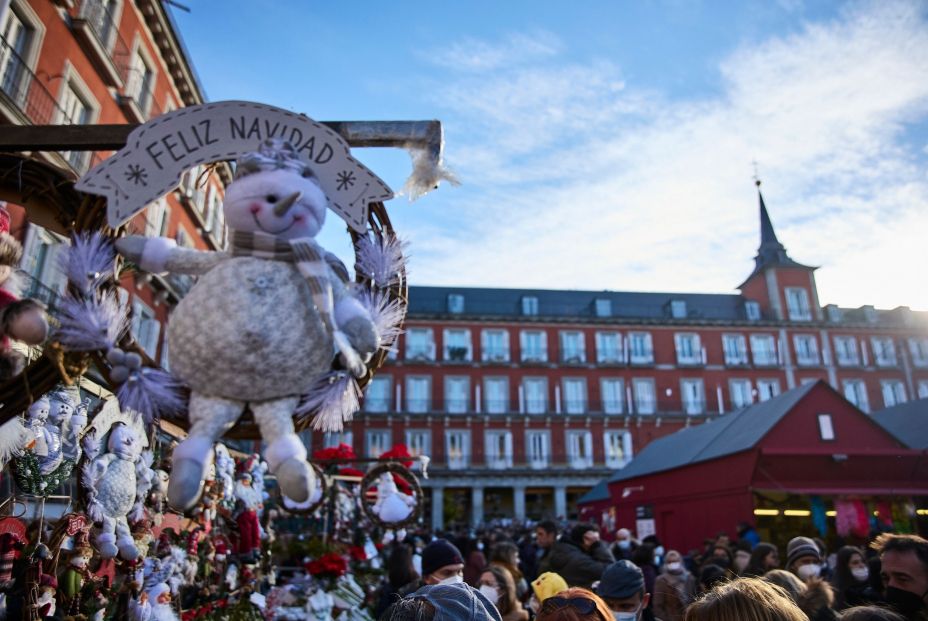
(271, 198)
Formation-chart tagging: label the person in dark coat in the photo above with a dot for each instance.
(852, 580)
(644, 559)
(579, 557)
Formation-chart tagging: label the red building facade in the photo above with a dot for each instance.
(523, 399)
(107, 62)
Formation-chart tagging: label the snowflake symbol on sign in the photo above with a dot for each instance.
(345, 179)
(137, 175)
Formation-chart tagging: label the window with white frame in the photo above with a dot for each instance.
(893, 392)
(922, 389)
(154, 217)
(496, 395)
(42, 259)
(331, 439)
(884, 351)
(145, 327)
(494, 345)
(534, 345)
(752, 310)
(640, 349)
(574, 395)
(918, 348)
(457, 394)
(618, 446)
(612, 391)
(418, 394)
(498, 449)
(735, 348)
(17, 54)
(538, 449)
(535, 393)
(455, 303)
(826, 427)
(140, 82)
(457, 345)
(76, 109)
(603, 307)
(689, 350)
(419, 442)
(529, 305)
(764, 350)
(645, 395)
(573, 350)
(377, 394)
(767, 389)
(580, 449)
(420, 344)
(608, 348)
(739, 391)
(806, 349)
(378, 442)
(693, 395)
(834, 313)
(678, 309)
(457, 448)
(797, 304)
(855, 391)
(846, 353)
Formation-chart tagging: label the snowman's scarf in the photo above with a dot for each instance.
(309, 259)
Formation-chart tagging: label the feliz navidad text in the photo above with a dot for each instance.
(181, 143)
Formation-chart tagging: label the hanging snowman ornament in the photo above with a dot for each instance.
(261, 325)
(392, 505)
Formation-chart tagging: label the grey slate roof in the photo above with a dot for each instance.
(726, 435)
(599, 492)
(907, 422)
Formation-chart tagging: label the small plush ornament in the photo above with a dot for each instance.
(110, 480)
(72, 582)
(320, 605)
(154, 604)
(66, 420)
(22, 320)
(392, 505)
(222, 546)
(144, 480)
(231, 577)
(249, 503)
(48, 586)
(157, 495)
(225, 474)
(263, 322)
(37, 417)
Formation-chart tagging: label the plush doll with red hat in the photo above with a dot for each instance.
(22, 320)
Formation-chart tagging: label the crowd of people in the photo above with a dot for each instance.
(550, 573)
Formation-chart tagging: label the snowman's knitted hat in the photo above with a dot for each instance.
(273, 154)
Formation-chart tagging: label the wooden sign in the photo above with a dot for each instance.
(158, 153)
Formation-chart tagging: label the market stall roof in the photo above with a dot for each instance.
(726, 435)
(599, 493)
(907, 422)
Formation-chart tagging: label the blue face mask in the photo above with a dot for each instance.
(627, 616)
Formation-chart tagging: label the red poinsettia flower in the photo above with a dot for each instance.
(399, 451)
(331, 565)
(351, 472)
(357, 553)
(342, 451)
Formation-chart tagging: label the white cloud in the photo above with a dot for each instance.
(479, 56)
(575, 179)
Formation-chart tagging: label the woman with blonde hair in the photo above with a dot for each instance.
(574, 604)
(745, 599)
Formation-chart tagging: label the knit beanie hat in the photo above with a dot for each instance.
(547, 585)
(799, 547)
(438, 554)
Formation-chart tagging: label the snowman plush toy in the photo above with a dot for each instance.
(264, 321)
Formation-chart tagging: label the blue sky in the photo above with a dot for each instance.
(609, 145)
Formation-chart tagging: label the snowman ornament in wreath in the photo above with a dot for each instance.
(266, 318)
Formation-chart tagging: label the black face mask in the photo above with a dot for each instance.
(905, 603)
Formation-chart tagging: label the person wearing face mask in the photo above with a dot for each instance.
(803, 558)
(442, 563)
(497, 586)
(674, 589)
(764, 557)
(905, 573)
(622, 588)
(624, 546)
(852, 580)
(544, 586)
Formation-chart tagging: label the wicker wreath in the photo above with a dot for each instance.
(50, 200)
(323, 485)
(373, 477)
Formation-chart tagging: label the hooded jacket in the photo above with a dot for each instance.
(578, 567)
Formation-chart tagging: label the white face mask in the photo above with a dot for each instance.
(455, 579)
(675, 567)
(626, 616)
(809, 571)
(659, 551)
(625, 544)
(491, 593)
(860, 573)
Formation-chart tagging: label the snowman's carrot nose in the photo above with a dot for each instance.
(281, 208)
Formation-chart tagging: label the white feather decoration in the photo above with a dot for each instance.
(386, 313)
(381, 260)
(334, 400)
(14, 437)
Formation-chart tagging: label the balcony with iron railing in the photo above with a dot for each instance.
(96, 29)
(539, 407)
(35, 289)
(26, 100)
